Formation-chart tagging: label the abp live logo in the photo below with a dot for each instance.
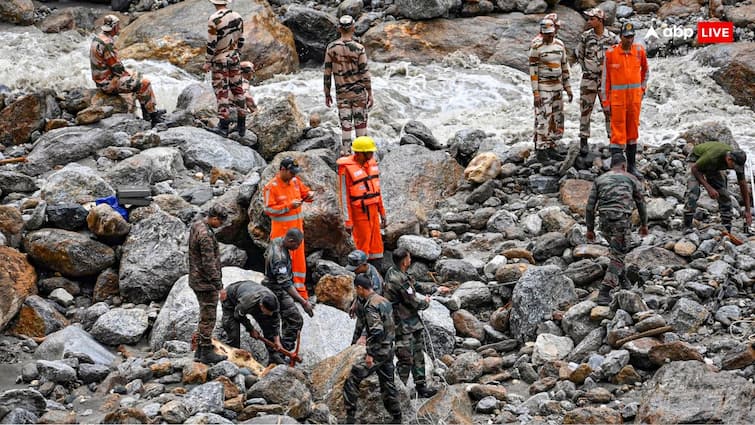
(715, 32)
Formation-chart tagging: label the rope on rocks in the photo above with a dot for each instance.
(740, 333)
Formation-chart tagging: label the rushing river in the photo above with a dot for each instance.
(458, 93)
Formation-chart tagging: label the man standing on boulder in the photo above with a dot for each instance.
(625, 76)
(591, 51)
(279, 279)
(360, 199)
(283, 197)
(613, 194)
(112, 78)
(205, 279)
(375, 322)
(549, 74)
(225, 38)
(346, 62)
(707, 164)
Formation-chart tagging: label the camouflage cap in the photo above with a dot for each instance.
(109, 22)
(547, 27)
(596, 12)
(346, 22)
(356, 258)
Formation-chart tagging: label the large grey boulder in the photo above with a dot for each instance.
(206, 398)
(72, 340)
(690, 392)
(63, 146)
(73, 183)
(440, 328)
(425, 9)
(278, 124)
(147, 167)
(70, 253)
(420, 247)
(205, 149)
(326, 334)
(121, 326)
(179, 314)
(199, 100)
(413, 179)
(323, 223)
(313, 30)
(154, 256)
(283, 385)
(539, 292)
(26, 399)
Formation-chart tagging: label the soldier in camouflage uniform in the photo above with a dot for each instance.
(247, 297)
(111, 76)
(707, 163)
(400, 290)
(590, 53)
(346, 63)
(279, 279)
(225, 38)
(549, 74)
(359, 265)
(375, 321)
(247, 73)
(613, 193)
(205, 279)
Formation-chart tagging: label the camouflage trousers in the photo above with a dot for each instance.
(615, 229)
(208, 305)
(291, 320)
(385, 373)
(550, 119)
(352, 112)
(411, 358)
(226, 82)
(588, 91)
(718, 180)
(133, 83)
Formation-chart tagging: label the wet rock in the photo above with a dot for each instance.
(423, 133)
(38, 318)
(70, 341)
(593, 415)
(56, 371)
(483, 167)
(282, 386)
(673, 351)
(549, 348)
(736, 67)
(204, 149)
(336, 291)
(159, 36)
(67, 216)
(312, 29)
(64, 146)
(451, 404)
(18, 280)
(687, 316)
(89, 373)
(687, 383)
(413, 180)
(278, 125)
(27, 399)
(120, 326)
(18, 12)
(107, 224)
(147, 167)
(549, 245)
(537, 294)
(467, 325)
(12, 181)
(456, 270)
(440, 327)
(420, 247)
(19, 416)
(153, 258)
(75, 183)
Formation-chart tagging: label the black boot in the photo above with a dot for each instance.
(145, 114)
(351, 418)
(396, 419)
(604, 295)
(632, 161)
(424, 391)
(208, 356)
(583, 149)
(541, 156)
(688, 221)
(222, 128)
(156, 117)
(241, 125)
(554, 155)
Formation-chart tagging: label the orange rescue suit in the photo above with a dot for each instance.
(624, 80)
(361, 203)
(279, 197)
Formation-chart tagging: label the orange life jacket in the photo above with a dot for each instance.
(365, 183)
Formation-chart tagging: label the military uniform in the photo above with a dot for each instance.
(711, 161)
(374, 276)
(225, 38)
(278, 278)
(205, 277)
(613, 193)
(591, 52)
(346, 63)
(243, 298)
(549, 75)
(111, 76)
(399, 289)
(375, 319)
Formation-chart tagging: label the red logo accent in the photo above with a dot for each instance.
(715, 32)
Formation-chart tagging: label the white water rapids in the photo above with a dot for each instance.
(456, 94)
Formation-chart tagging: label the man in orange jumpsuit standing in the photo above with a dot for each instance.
(624, 81)
(283, 197)
(360, 199)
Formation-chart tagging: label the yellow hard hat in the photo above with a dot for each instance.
(363, 144)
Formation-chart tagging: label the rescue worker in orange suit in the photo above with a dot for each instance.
(283, 197)
(360, 199)
(624, 81)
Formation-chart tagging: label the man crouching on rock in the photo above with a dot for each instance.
(375, 321)
(205, 279)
